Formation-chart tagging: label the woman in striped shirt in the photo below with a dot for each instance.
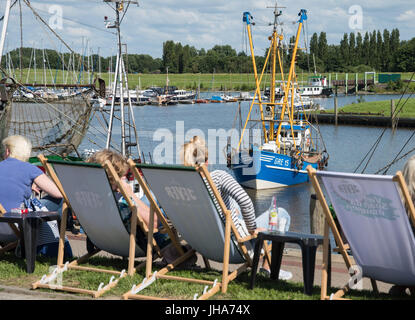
(233, 195)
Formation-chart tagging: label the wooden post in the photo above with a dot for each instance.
(317, 219)
(347, 83)
(335, 109)
(356, 82)
(393, 116)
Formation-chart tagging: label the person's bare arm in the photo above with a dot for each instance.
(143, 209)
(44, 183)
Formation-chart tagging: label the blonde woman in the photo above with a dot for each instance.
(195, 152)
(18, 179)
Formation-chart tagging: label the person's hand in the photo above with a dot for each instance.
(36, 189)
(257, 230)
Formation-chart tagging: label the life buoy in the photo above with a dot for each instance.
(307, 142)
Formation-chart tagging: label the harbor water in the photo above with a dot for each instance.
(347, 145)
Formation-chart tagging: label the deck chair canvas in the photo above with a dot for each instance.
(87, 191)
(193, 210)
(373, 218)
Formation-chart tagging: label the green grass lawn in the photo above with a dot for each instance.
(407, 109)
(12, 272)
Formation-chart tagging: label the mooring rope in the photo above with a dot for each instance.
(394, 114)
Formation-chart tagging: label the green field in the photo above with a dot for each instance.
(207, 82)
(407, 108)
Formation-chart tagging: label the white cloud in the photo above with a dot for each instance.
(406, 16)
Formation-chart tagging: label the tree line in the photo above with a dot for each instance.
(380, 51)
(356, 52)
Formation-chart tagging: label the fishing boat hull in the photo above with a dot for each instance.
(266, 170)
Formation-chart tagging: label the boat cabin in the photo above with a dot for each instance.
(299, 136)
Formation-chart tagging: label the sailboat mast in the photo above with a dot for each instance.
(4, 31)
(44, 67)
(34, 62)
(99, 63)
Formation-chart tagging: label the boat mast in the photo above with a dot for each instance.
(274, 44)
(247, 18)
(4, 31)
(303, 17)
(120, 79)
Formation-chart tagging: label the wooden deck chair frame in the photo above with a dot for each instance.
(11, 245)
(135, 220)
(342, 247)
(229, 227)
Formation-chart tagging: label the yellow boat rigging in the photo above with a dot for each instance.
(289, 87)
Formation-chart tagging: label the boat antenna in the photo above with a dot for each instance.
(277, 13)
(121, 81)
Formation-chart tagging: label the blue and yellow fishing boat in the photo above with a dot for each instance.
(288, 142)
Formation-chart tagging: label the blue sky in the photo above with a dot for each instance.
(201, 24)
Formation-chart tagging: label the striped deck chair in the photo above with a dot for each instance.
(372, 215)
(87, 191)
(193, 204)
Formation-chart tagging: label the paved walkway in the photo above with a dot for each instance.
(291, 262)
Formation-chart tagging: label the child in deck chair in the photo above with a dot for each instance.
(121, 167)
(19, 178)
(195, 152)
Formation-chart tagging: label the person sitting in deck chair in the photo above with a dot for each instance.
(121, 167)
(19, 178)
(195, 152)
